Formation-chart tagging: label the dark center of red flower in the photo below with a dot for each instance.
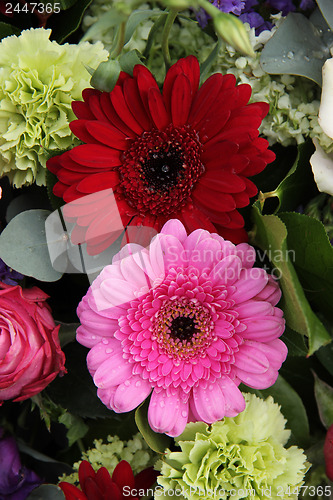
(163, 168)
(183, 328)
(160, 169)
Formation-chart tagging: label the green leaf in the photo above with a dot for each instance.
(67, 22)
(325, 356)
(299, 180)
(8, 30)
(46, 492)
(136, 18)
(209, 61)
(111, 19)
(324, 397)
(312, 258)
(296, 48)
(23, 246)
(76, 390)
(76, 428)
(292, 408)
(294, 342)
(270, 235)
(106, 75)
(67, 332)
(157, 442)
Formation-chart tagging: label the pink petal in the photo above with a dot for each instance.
(257, 380)
(253, 308)
(205, 254)
(209, 402)
(117, 291)
(113, 371)
(251, 282)
(164, 410)
(100, 353)
(227, 271)
(234, 400)
(251, 359)
(247, 254)
(264, 329)
(131, 394)
(106, 396)
(175, 228)
(173, 251)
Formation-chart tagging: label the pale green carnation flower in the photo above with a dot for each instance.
(235, 458)
(135, 451)
(38, 81)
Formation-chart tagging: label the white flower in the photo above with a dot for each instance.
(322, 161)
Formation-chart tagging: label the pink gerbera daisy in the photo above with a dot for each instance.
(186, 321)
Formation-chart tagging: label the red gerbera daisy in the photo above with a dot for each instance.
(184, 153)
(100, 486)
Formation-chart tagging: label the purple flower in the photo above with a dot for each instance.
(256, 21)
(8, 275)
(16, 481)
(307, 5)
(284, 6)
(227, 6)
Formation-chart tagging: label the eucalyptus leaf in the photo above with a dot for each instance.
(46, 492)
(106, 75)
(312, 259)
(324, 397)
(23, 246)
(326, 8)
(128, 60)
(270, 234)
(157, 442)
(296, 48)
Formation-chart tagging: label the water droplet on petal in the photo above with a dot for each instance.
(108, 350)
(184, 414)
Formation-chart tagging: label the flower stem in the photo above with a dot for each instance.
(120, 41)
(165, 37)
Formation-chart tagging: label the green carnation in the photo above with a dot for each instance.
(38, 81)
(135, 451)
(239, 457)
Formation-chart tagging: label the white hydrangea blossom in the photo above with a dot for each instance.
(135, 451)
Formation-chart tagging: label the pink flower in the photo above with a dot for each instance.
(30, 354)
(187, 320)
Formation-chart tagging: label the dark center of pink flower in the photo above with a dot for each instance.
(183, 328)
(160, 169)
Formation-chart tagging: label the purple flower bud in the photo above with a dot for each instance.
(16, 481)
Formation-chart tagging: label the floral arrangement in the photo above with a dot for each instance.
(166, 260)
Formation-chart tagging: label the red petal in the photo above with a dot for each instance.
(145, 81)
(71, 194)
(134, 102)
(193, 218)
(241, 199)
(236, 236)
(188, 66)
(98, 182)
(205, 98)
(82, 110)
(146, 478)
(181, 100)
(93, 155)
(251, 188)
(92, 490)
(157, 109)
(59, 189)
(78, 127)
(71, 492)
(121, 108)
(223, 181)
(223, 203)
(107, 134)
(113, 117)
(123, 475)
(96, 108)
(53, 164)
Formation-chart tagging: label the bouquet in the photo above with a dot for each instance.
(166, 260)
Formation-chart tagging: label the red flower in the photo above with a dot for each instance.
(100, 486)
(185, 153)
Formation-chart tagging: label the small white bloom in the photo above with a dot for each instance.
(322, 168)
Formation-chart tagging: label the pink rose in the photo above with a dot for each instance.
(30, 353)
